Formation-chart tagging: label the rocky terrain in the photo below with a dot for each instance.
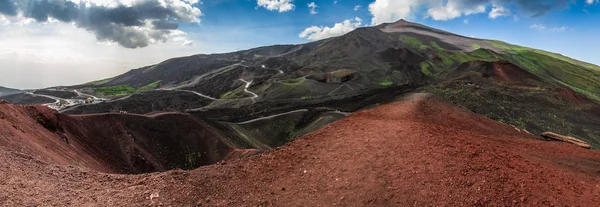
(531, 89)
(417, 151)
(396, 114)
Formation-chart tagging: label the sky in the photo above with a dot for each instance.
(46, 43)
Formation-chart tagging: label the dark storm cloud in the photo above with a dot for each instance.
(161, 24)
(60, 10)
(125, 25)
(7, 7)
(537, 8)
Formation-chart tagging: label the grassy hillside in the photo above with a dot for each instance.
(123, 90)
(559, 70)
(581, 77)
(564, 96)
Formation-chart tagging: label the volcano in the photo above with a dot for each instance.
(392, 115)
(418, 150)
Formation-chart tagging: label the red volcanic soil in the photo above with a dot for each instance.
(513, 74)
(35, 131)
(503, 71)
(572, 96)
(417, 152)
(112, 143)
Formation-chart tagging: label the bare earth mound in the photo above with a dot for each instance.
(112, 143)
(418, 151)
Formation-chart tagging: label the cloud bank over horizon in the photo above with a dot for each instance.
(385, 11)
(131, 24)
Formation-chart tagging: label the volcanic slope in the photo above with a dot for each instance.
(113, 143)
(396, 56)
(8, 91)
(417, 151)
(157, 141)
(510, 94)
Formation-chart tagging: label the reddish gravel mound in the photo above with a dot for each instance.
(112, 143)
(35, 131)
(572, 96)
(513, 74)
(501, 70)
(417, 152)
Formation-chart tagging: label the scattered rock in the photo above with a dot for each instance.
(153, 196)
(2, 101)
(572, 140)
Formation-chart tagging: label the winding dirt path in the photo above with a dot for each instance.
(415, 152)
(248, 83)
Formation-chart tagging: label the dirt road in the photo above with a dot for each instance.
(416, 152)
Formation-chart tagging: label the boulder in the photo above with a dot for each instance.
(341, 76)
(572, 140)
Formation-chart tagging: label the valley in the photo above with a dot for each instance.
(394, 109)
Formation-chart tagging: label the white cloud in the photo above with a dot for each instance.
(466, 21)
(541, 27)
(180, 37)
(319, 33)
(538, 27)
(15, 21)
(591, 1)
(560, 29)
(453, 9)
(385, 11)
(357, 7)
(42, 55)
(313, 7)
(391, 10)
(279, 5)
(498, 12)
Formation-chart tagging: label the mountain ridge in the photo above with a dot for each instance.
(366, 62)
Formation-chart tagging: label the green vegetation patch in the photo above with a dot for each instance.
(412, 41)
(484, 54)
(119, 90)
(386, 82)
(425, 69)
(574, 76)
(293, 81)
(123, 90)
(234, 94)
(285, 128)
(148, 87)
(436, 46)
